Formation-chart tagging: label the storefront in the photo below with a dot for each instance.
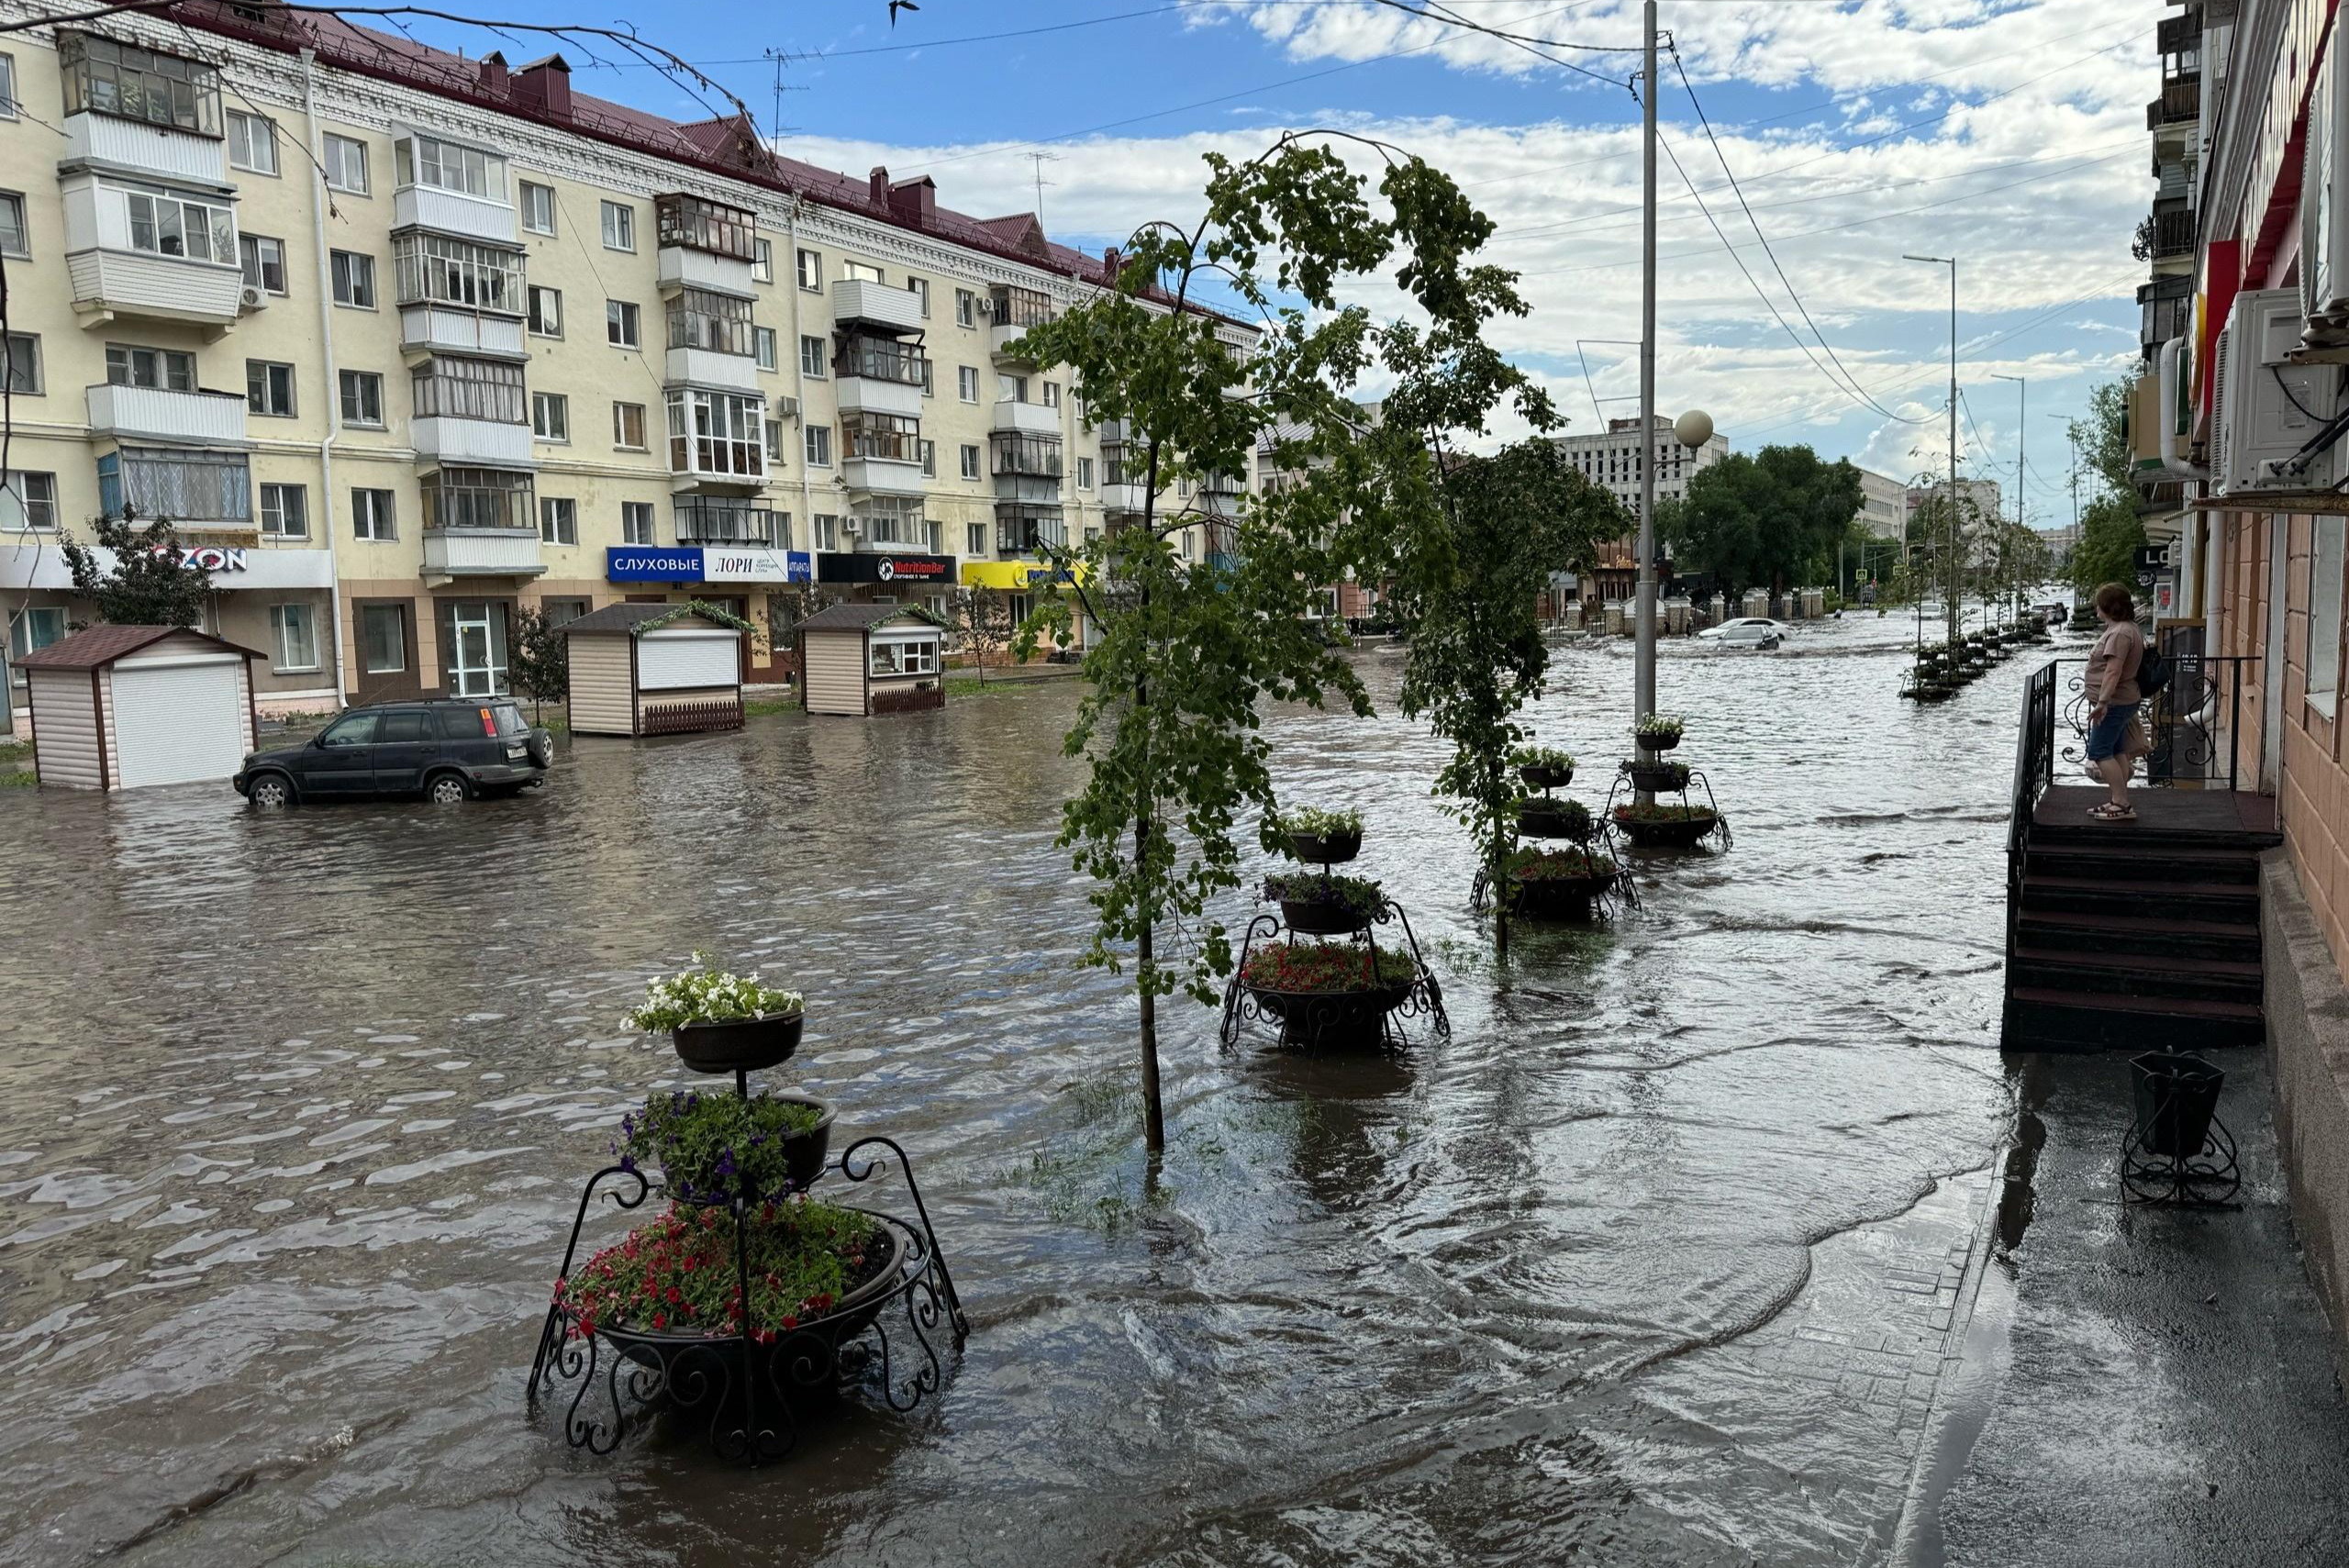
(764, 586)
(878, 578)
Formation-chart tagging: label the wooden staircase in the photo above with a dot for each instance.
(2141, 934)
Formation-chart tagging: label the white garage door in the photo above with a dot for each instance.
(671, 659)
(178, 722)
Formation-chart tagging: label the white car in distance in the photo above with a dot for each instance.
(1747, 631)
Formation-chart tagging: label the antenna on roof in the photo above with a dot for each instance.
(1040, 159)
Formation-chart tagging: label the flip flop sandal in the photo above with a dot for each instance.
(2112, 814)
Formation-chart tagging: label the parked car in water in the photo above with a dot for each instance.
(1753, 634)
(2055, 610)
(446, 750)
(1739, 627)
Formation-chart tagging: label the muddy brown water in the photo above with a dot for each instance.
(296, 1108)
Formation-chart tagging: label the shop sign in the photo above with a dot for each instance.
(652, 563)
(212, 558)
(844, 567)
(746, 564)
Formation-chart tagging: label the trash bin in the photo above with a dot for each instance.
(2176, 1095)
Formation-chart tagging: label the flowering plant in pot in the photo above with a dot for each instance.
(712, 1148)
(1322, 837)
(1529, 865)
(1659, 732)
(719, 1021)
(1319, 904)
(677, 1275)
(1541, 817)
(1544, 767)
(1327, 967)
(1654, 777)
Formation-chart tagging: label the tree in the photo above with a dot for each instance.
(1476, 650)
(2111, 536)
(1954, 538)
(2103, 438)
(988, 625)
(538, 658)
(148, 581)
(1764, 520)
(1190, 642)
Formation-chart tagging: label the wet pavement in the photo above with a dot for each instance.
(1663, 1256)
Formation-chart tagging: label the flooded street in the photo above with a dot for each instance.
(297, 1109)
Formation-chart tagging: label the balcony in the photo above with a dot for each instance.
(706, 244)
(1011, 312)
(875, 375)
(449, 439)
(707, 367)
(454, 212)
(883, 477)
(152, 152)
(1027, 418)
(1028, 531)
(2180, 101)
(2173, 234)
(1123, 497)
(185, 418)
(172, 259)
(430, 328)
(701, 520)
(861, 301)
(481, 553)
(683, 267)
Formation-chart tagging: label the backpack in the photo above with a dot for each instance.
(2152, 673)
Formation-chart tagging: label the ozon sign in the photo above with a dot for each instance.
(212, 558)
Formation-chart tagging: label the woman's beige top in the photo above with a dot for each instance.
(2120, 650)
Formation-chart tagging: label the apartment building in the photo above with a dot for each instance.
(1884, 506)
(1611, 458)
(404, 342)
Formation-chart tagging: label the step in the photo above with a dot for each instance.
(2042, 1019)
(2107, 931)
(2137, 835)
(2221, 901)
(2119, 971)
(2133, 862)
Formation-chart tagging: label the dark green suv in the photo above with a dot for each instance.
(445, 750)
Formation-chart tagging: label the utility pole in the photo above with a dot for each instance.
(2023, 421)
(1956, 564)
(1643, 698)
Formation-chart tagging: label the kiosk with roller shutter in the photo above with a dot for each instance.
(124, 706)
(656, 670)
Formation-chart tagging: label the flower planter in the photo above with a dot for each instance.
(1654, 777)
(738, 1045)
(805, 1155)
(1674, 832)
(1550, 819)
(2176, 1094)
(1655, 742)
(1546, 778)
(1557, 895)
(1325, 848)
(1329, 1017)
(1313, 917)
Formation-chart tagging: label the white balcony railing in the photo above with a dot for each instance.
(1123, 497)
(454, 212)
(706, 367)
(683, 266)
(854, 299)
(200, 419)
(883, 477)
(1027, 418)
(451, 440)
(151, 150)
(444, 330)
(481, 553)
(877, 394)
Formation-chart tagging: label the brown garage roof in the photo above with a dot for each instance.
(95, 645)
(858, 618)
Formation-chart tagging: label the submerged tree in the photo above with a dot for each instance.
(538, 658)
(1477, 654)
(1764, 521)
(1187, 641)
(150, 581)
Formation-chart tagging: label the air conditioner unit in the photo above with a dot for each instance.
(2267, 408)
(251, 298)
(852, 527)
(784, 408)
(2324, 237)
(2174, 407)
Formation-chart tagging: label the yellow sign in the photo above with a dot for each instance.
(1016, 576)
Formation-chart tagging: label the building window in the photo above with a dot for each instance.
(716, 432)
(538, 207)
(31, 628)
(620, 323)
(169, 370)
(362, 397)
(469, 389)
(2324, 615)
(253, 142)
(166, 225)
(546, 311)
(896, 438)
(371, 515)
(811, 272)
(383, 637)
(828, 529)
(930, 460)
(24, 363)
(284, 511)
(904, 658)
(966, 308)
(294, 630)
(111, 78)
(863, 272)
(551, 416)
(28, 501)
(775, 441)
(819, 446)
(14, 238)
(269, 388)
(627, 425)
(1052, 394)
(702, 224)
(763, 343)
(1085, 473)
(354, 279)
(970, 462)
(476, 498)
(975, 535)
(929, 377)
(761, 260)
(620, 227)
(557, 520)
(966, 382)
(451, 166)
(921, 287)
(719, 323)
(345, 164)
(264, 263)
(811, 359)
(434, 268)
(8, 87)
(636, 523)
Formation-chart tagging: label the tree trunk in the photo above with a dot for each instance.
(1153, 1113)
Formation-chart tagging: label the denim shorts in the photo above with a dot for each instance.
(2105, 738)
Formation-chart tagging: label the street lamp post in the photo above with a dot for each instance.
(1950, 591)
(2023, 421)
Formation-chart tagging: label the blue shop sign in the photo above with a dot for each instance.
(652, 563)
(1049, 574)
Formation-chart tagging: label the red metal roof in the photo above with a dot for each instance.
(95, 645)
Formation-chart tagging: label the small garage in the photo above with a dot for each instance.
(124, 706)
(656, 670)
(868, 659)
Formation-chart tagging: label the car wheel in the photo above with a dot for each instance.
(270, 791)
(447, 789)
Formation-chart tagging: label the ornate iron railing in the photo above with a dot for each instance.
(2195, 720)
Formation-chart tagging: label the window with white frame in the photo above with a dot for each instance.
(371, 515)
(863, 272)
(762, 345)
(966, 308)
(908, 657)
(827, 529)
(558, 519)
(974, 539)
(774, 441)
(930, 460)
(551, 416)
(627, 425)
(16, 239)
(294, 633)
(762, 261)
(253, 142)
(716, 432)
(28, 500)
(1052, 394)
(620, 227)
(132, 364)
(966, 382)
(353, 275)
(264, 263)
(636, 523)
(362, 397)
(2325, 564)
(345, 164)
(811, 272)
(8, 87)
(921, 287)
(812, 362)
(440, 268)
(269, 388)
(174, 225)
(284, 511)
(620, 323)
(451, 166)
(33, 628)
(969, 461)
(546, 312)
(538, 207)
(1085, 473)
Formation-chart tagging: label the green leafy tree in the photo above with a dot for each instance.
(1477, 654)
(2103, 438)
(538, 658)
(1764, 521)
(2111, 536)
(146, 583)
(1192, 640)
(1952, 539)
(984, 617)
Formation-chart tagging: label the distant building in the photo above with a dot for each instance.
(1983, 493)
(1884, 506)
(1610, 459)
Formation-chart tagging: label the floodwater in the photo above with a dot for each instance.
(294, 1112)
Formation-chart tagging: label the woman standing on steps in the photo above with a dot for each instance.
(2112, 687)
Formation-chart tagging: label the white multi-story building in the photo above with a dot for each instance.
(1884, 506)
(329, 300)
(1610, 458)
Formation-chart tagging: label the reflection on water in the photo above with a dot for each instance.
(296, 1107)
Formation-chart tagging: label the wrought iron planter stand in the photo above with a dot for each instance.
(1374, 1016)
(1561, 898)
(1668, 833)
(2178, 1152)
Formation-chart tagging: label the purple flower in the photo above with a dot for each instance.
(627, 1164)
(726, 1162)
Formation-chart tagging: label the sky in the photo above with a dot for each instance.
(2009, 134)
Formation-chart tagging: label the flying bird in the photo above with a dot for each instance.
(897, 6)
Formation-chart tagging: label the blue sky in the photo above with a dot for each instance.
(2010, 133)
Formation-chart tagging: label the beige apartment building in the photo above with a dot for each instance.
(404, 342)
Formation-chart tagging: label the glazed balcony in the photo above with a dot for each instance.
(880, 375)
(706, 245)
(860, 301)
(1026, 418)
(153, 413)
(1011, 312)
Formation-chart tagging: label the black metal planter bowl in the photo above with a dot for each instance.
(1656, 742)
(1325, 848)
(1331, 1017)
(1667, 832)
(1557, 898)
(1546, 778)
(1657, 777)
(803, 1154)
(1310, 917)
(1550, 819)
(738, 1045)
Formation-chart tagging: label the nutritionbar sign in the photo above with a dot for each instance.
(694, 563)
(867, 568)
